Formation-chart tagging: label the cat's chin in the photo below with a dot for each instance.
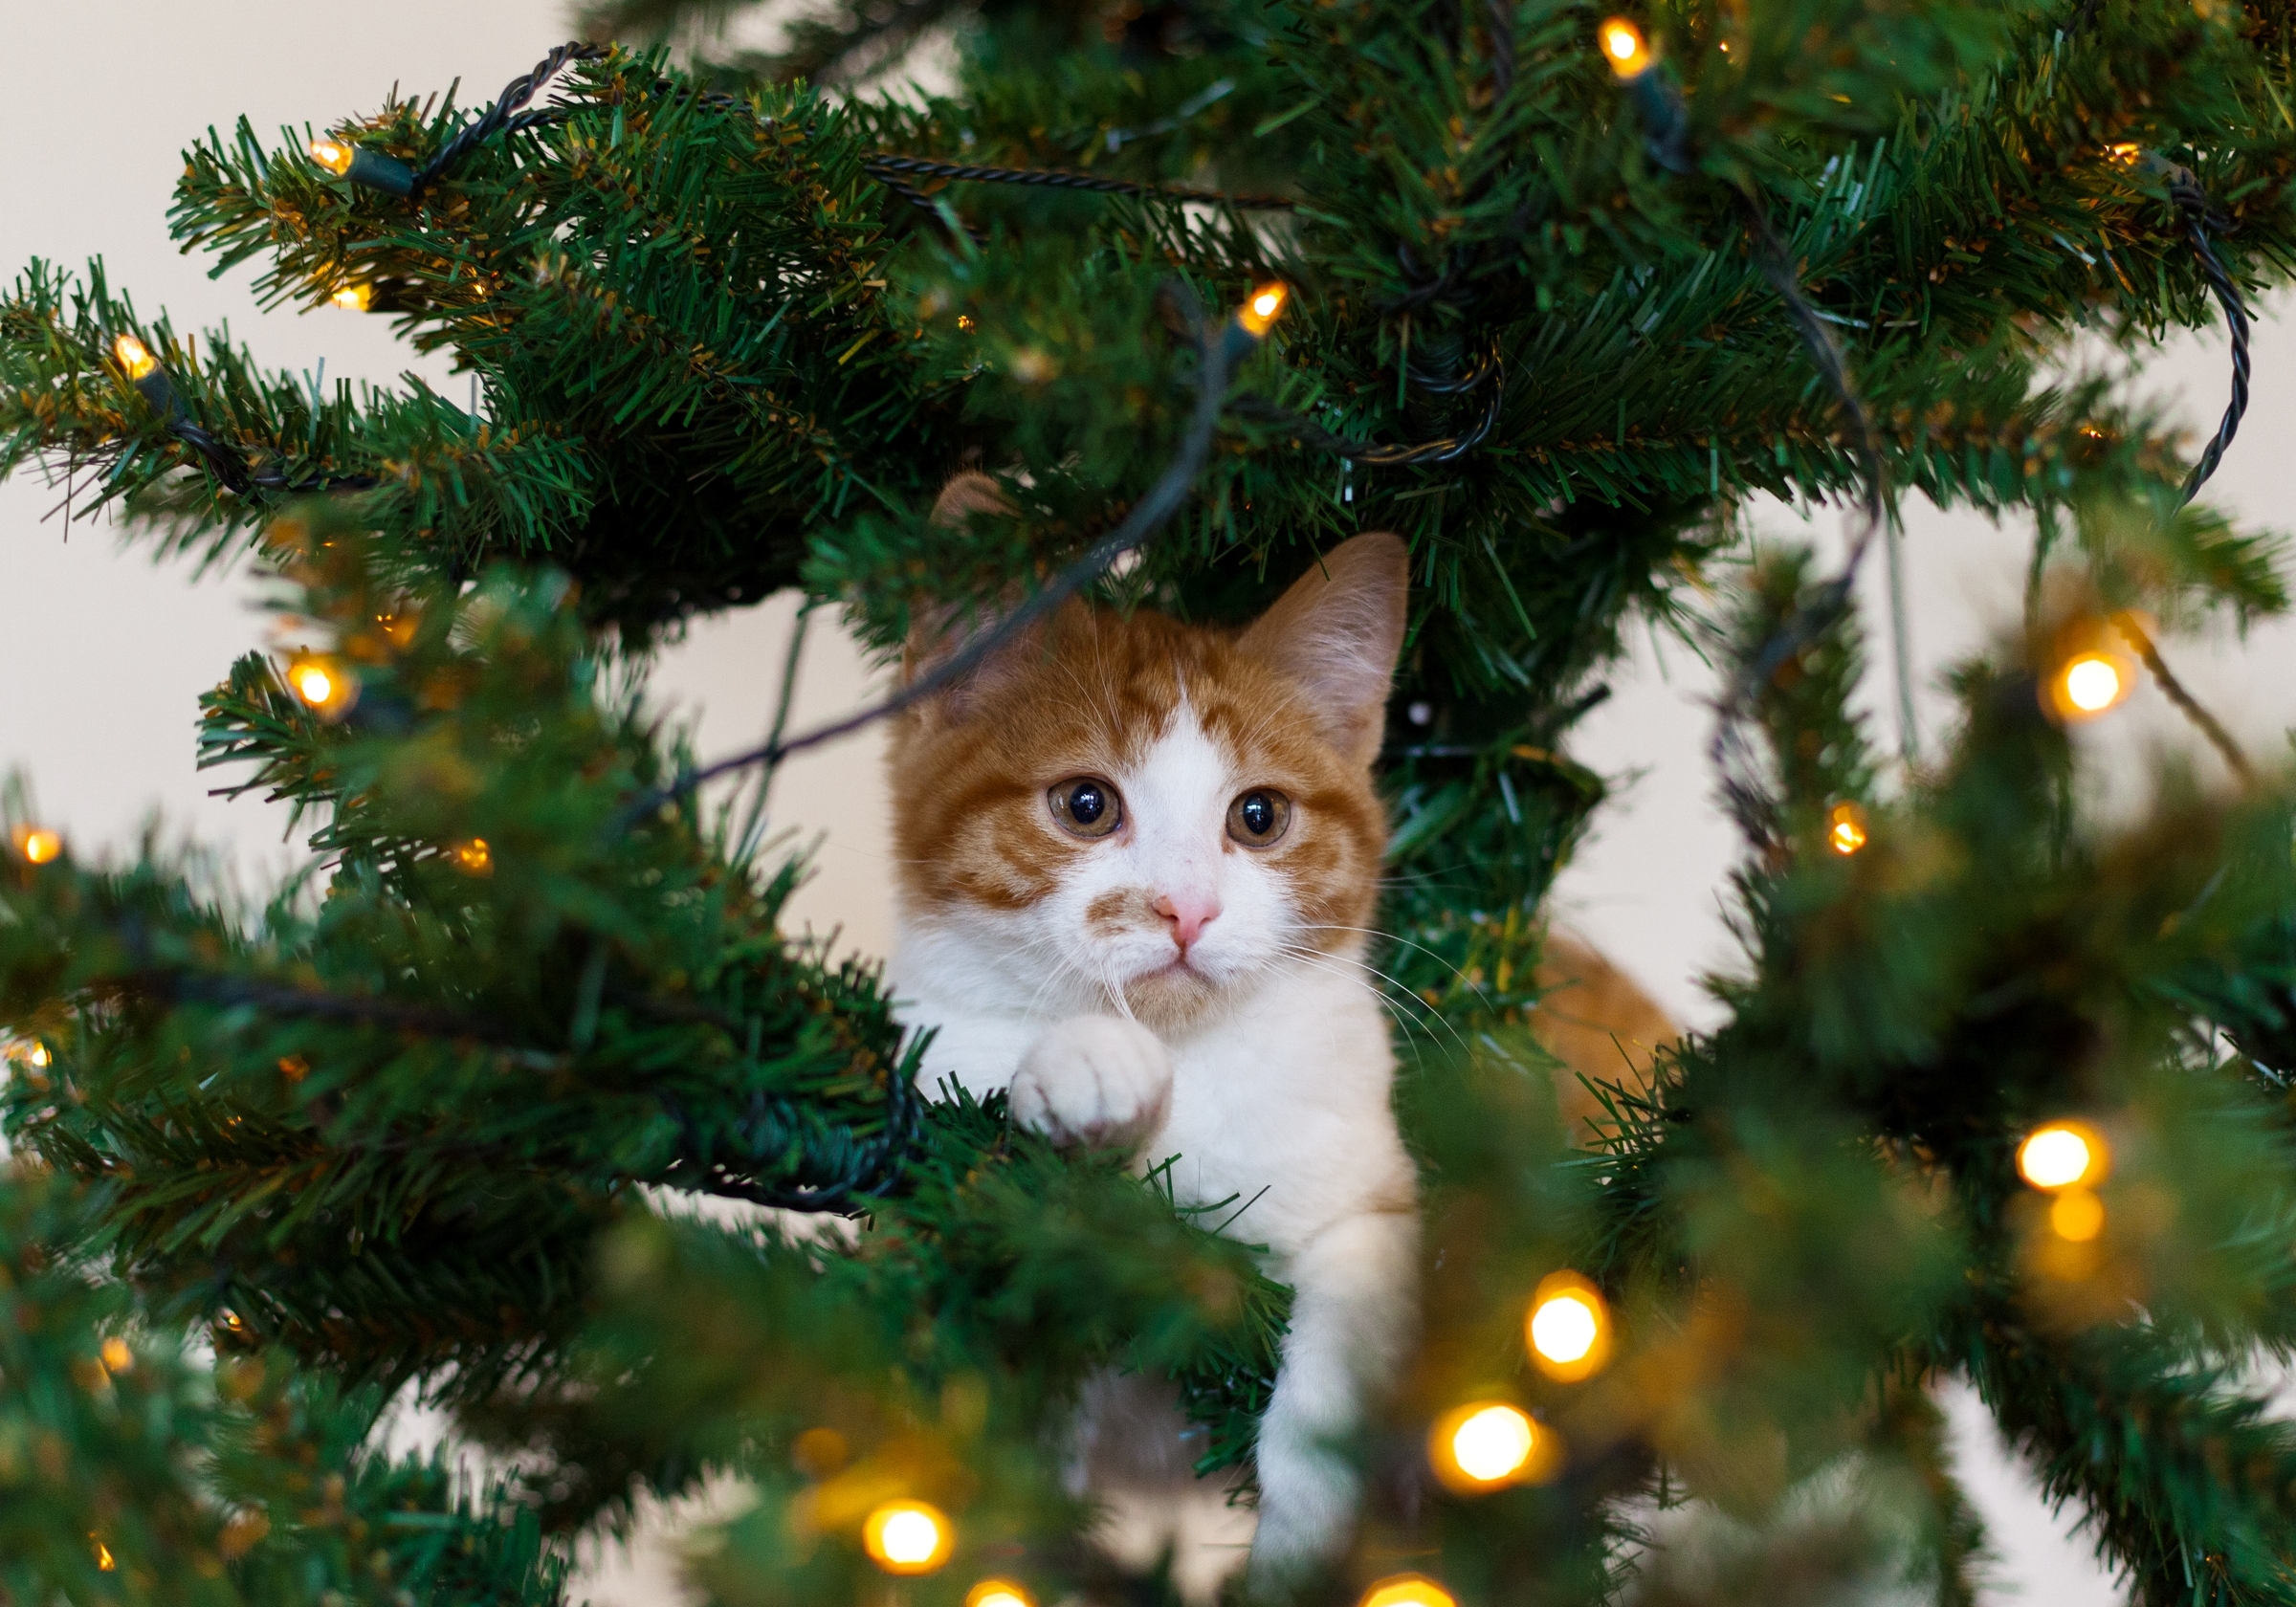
(1173, 996)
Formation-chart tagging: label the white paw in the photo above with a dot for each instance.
(1308, 1495)
(1099, 1081)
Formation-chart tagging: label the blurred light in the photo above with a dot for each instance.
(473, 858)
(328, 688)
(1623, 47)
(104, 1553)
(1481, 1445)
(354, 297)
(331, 154)
(907, 1538)
(1846, 829)
(2092, 683)
(1266, 306)
(996, 1593)
(36, 845)
(2126, 153)
(1408, 1590)
(134, 356)
(2063, 1154)
(117, 1357)
(2077, 1215)
(1569, 1328)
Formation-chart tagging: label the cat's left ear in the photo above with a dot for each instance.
(1336, 633)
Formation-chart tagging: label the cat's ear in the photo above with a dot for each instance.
(938, 631)
(1336, 633)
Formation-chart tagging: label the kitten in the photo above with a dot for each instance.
(1136, 863)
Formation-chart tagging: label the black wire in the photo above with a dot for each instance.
(880, 162)
(2200, 217)
(501, 116)
(1147, 515)
(1415, 454)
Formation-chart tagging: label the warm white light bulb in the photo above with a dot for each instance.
(314, 685)
(2055, 1158)
(1565, 1329)
(911, 1537)
(1493, 1443)
(2093, 684)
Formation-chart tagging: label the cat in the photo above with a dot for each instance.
(1136, 865)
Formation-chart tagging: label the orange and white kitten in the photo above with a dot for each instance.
(1137, 860)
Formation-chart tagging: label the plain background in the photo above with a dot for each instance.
(107, 653)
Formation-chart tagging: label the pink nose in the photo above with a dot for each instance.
(1189, 914)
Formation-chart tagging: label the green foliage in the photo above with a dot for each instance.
(435, 1116)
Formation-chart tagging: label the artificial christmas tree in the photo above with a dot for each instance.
(1216, 285)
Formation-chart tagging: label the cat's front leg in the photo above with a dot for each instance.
(1354, 1303)
(1099, 1081)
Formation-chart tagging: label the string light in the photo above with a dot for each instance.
(473, 858)
(997, 1593)
(105, 1562)
(2091, 683)
(1482, 1445)
(1624, 49)
(907, 1538)
(28, 1053)
(1569, 1327)
(1408, 1590)
(354, 297)
(2062, 1155)
(1845, 830)
(328, 688)
(2077, 1215)
(35, 845)
(1259, 314)
(117, 1357)
(369, 168)
(134, 357)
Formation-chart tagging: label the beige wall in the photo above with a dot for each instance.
(106, 653)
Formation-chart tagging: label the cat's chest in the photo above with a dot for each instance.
(1284, 1107)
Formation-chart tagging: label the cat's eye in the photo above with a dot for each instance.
(1257, 817)
(1085, 806)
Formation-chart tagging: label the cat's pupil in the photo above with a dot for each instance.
(1259, 814)
(1087, 804)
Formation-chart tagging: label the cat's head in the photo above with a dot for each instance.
(1128, 813)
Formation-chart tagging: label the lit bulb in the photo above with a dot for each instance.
(134, 356)
(353, 297)
(328, 688)
(1408, 1590)
(907, 1538)
(2077, 1215)
(1266, 306)
(36, 845)
(996, 1593)
(1623, 47)
(1481, 1445)
(1846, 829)
(2126, 153)
(117, 1357)
(473, 858)
(104, 1553)
(2092, 683)
(1568, 1330)
(2062, 1155)
(333, 155)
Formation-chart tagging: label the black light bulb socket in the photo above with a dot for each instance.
(1666, 118)
(156, 388)
(371, 169)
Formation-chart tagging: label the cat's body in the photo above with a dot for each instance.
(1136, 862)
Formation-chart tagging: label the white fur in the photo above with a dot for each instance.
(1277, 1096)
